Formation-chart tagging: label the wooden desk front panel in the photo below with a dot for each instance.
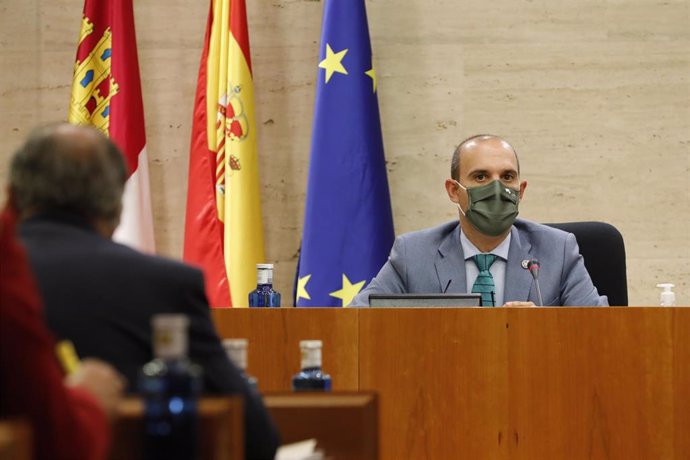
(274, 335)
(592, 383)
(500, 383)
(345, 424)
(681, 381)
(442, 381)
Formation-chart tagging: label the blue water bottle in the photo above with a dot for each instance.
(311, 377)
(170, 386)
(264, 295)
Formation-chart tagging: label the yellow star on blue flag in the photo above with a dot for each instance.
(348, 291)
(302, 288)
(333, 62)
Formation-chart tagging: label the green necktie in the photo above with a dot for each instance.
(484, 284)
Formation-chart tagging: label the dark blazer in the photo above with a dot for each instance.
(101, 295)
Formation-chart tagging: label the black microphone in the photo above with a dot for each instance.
(533, 267)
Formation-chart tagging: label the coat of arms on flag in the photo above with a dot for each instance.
(106, 93)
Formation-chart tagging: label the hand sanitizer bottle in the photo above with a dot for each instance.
(237, 352)
(668, 297)
(264, 295)
(311, 378)
(170, 386)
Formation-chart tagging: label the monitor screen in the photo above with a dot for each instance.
(425, 300)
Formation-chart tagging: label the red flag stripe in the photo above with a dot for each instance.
(127, 128)
(239, 29)
(203, 245)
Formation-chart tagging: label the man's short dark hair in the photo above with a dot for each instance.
(59, 171)
(455, 162)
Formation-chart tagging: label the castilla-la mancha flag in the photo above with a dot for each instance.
(223, 228)
(106, 93)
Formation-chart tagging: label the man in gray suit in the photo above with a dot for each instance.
(489, 251)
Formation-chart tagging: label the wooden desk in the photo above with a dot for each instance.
(221, 431)
(533, 383)
(16, 440)
(345, 424)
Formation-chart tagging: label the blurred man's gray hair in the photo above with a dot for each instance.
(74, 169)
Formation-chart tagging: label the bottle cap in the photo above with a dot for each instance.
(236, 350)
(264, 274)
(310, 344)
(235, 343)
(311, 353)
(170, 321)
(170, 335)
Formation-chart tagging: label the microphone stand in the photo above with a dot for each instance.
(541, 302)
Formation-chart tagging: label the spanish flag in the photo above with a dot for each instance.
(106, 93)
(223, 227)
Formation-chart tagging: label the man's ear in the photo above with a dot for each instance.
(523, 186)
(452, 190)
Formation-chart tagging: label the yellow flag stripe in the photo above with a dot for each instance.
(244, 242)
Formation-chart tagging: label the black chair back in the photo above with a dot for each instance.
(603, 249)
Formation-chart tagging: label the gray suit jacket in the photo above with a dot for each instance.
(426, 260)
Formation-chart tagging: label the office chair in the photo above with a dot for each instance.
(603, 249)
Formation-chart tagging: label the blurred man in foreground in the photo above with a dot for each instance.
(67, 184)
(488, 251)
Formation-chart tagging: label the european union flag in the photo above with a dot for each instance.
(348, 224)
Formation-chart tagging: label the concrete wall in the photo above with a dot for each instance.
(593, 94)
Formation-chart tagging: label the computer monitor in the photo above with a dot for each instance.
(425, 300)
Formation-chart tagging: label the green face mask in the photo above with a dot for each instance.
(492, 207)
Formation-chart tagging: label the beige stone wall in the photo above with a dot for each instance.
(594, 95)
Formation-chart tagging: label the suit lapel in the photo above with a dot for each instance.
(450, 264)
(518, 282)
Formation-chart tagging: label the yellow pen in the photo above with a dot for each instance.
(67, 355)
